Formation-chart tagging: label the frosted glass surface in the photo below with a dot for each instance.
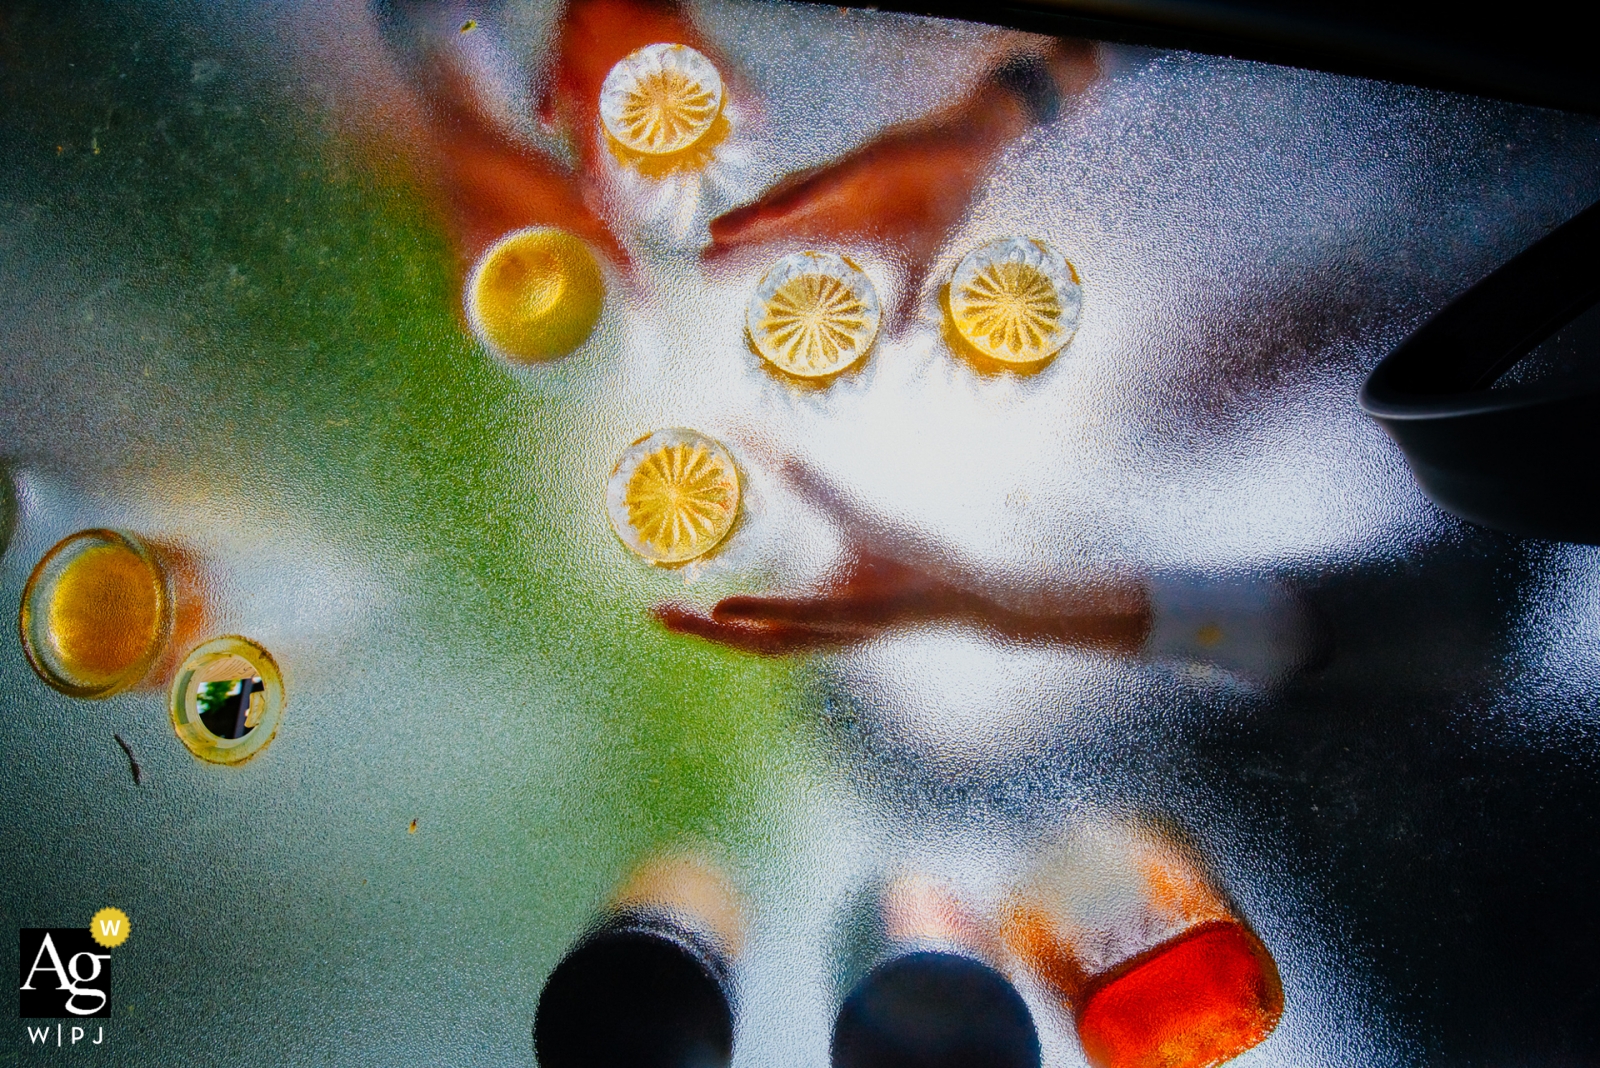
(233, 324)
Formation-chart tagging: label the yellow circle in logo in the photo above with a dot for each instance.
(109, 927)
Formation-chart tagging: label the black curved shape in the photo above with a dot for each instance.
(635, 995)
(1524, 459)
(934, 1010)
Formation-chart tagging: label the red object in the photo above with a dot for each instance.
(1199, 1000)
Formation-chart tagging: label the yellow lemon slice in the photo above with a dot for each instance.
(813, 315)
(1015, 300)
(673, 496)
(95, 613)
(660, 99)
(536, 294)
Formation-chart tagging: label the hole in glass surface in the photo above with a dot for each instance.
(934, 1010)
(231, 707)
(95, 613)
(227, 700)
(634, 997)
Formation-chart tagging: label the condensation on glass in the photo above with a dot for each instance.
(1078, 524)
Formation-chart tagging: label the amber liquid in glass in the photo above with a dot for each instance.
(1197, 1000)
(1205, 990)
(104, 614)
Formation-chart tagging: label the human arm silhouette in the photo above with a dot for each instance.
(908, 187)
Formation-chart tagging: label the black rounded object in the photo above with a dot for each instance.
(1523, 459)
(934, 1010)
(634, 997)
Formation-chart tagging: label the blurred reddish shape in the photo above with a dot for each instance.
(489, 182)
(908, 187)
(877, 593)
(1193, 1002)
(492, 186)
(883, 585)
(1151, 957)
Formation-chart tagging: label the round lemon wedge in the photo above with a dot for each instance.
(813, 315)
(1015, 300)
(673, 496)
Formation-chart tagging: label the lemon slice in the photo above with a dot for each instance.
(813, 315)
(1015, 300)
(95, 613)
(673, 496)
(660, 99)
(536, 294)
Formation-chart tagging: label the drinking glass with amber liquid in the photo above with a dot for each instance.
(1155, 963)
(105, 611)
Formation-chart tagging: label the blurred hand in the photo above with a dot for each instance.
(878, 593)
(906, 189)
(490, 179)
(491, 184)
(888, 581)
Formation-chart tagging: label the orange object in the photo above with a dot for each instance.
(485, 179)
(1158, 969)
(102, 610)
(1200, 999)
